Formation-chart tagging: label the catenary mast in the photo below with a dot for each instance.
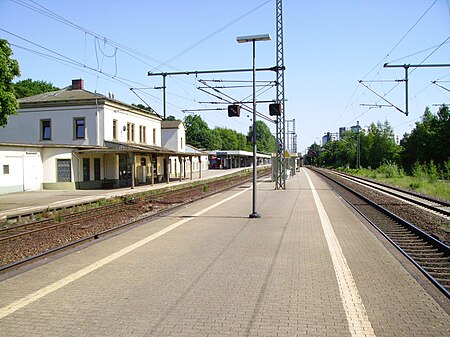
(280, 165)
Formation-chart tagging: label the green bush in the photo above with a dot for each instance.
(446, 170)
(419, 171)
(390, 170)
(432, 172)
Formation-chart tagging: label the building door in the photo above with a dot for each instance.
(124, 170)
(31, 164)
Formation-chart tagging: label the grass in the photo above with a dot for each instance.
(425, 179)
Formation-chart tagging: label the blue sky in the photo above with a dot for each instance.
(328, 45)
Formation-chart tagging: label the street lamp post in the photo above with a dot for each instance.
(253, 39)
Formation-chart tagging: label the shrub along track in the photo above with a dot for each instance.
(23, 242)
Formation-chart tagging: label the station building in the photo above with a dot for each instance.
(76, 139)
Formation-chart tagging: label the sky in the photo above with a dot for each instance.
(329, 47)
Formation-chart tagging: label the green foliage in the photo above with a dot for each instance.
(380, 145)
(265, 141)
(377, 146)
(419, 171)
(29, 87)
(390, 170)
(446, 170)
(199, 134)
(312, 156)
(9, 69)
(432, 172)
(231, 140)
(420, 183)
(429, 140)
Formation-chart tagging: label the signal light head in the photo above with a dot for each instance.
(234, 110)
(275, 109)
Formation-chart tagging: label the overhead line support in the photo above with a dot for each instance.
(196, 72)
(280, 163)
(406, 67)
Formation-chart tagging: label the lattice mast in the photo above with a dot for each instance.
(280, 170)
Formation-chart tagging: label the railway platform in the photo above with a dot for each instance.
(310, 266)
(17, 203)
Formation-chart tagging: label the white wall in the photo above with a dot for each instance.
(174, 139)
(123, 117)
(49, 157)
(25, 127)
(20, 169)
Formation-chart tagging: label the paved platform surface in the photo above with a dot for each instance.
(33, 201)
(307, 267)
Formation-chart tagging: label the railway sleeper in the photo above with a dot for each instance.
(445, 283)
(405, 236)
(399, 230)
(433, 264)
(442, 260)
(415, 241)
(444, 276)
(426, 254)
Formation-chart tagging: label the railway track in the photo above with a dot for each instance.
(429, 255)
(137, 209)
(440, 207)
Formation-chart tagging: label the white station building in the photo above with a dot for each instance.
(77, 139)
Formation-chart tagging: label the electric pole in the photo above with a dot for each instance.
(280, 164)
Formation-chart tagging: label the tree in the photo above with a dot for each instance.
(312, 157)
(29, 87)
(231, 139)
(381, 145)
(265, 141)
(428, 141)
(9, 69)
(198, 133)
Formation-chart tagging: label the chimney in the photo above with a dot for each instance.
(77, 84)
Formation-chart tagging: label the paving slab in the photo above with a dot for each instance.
(209, 270)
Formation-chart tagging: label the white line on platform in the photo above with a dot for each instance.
(358, 321)
(23, 302)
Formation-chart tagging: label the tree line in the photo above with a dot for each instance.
(199, 134)
(428, 144)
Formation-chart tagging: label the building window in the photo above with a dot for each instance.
(154, 136)
(79, 125)
(46, 129)
(115, 129)
(96, 168)
(63, 170)
(132, 132)
(128, 132)
(181, 142)
(142, 134)
(5, 169)
(86, 169)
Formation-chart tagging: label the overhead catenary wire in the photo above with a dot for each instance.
(118, 47)
(380, 63)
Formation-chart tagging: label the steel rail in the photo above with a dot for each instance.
(142, 220)
(403, 223)
(404, 194)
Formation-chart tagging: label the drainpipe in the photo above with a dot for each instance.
(132, 169)
(79, 166)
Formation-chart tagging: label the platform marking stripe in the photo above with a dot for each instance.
(358, 321)
(23, 302)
